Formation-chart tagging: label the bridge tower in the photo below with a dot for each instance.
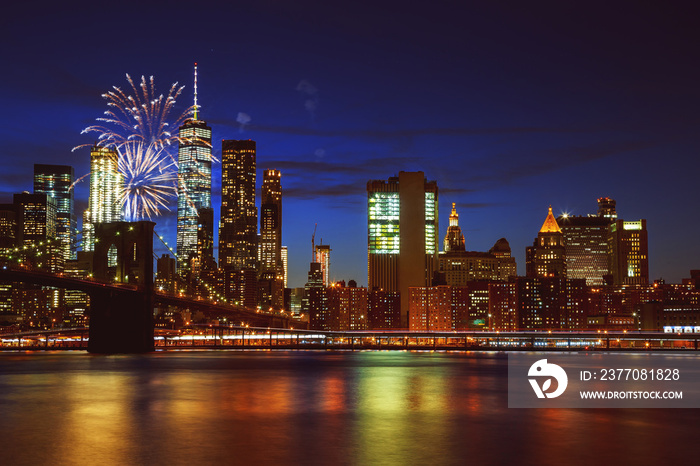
(122, 321)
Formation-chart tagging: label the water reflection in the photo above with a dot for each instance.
(304, 407)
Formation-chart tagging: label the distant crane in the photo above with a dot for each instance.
(313, 244)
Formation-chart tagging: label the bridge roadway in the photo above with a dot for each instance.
(94, 287)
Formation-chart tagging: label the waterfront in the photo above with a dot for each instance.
(307, 407)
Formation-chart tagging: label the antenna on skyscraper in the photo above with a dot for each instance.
(195, 92)
(313, 244)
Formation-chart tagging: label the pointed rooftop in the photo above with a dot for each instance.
(550, 224)
(454, 217)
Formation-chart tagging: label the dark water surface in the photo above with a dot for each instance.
(308, 408)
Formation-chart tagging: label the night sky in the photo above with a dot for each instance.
(509, 106)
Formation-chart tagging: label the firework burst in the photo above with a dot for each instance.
(149, 180)
(137, 126)
(140, 116)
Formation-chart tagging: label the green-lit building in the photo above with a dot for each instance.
(402, 228)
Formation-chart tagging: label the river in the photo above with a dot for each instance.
(307, 407)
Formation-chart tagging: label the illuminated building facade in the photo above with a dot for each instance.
(459, 267)
(56, 181)
(315, 301)
(194, 181)
(454, 239)
(238, 238)
(383, 310)
(503, 306)
(347, 306)
(547, 256)
(37, 218)
(446, 307)
(283, 253)
(271, 220)
(628, 253)
(105, 184)
(430, 308)
(202, 263)
(272, 276)
(551, 303)
(462, 267)
(402, 235)
(586, 243)
(323, 257)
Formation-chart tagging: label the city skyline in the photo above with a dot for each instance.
(509, 109)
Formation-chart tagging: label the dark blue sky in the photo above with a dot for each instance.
(509, 106)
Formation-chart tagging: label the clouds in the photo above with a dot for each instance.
(243, 120)
(310, 94)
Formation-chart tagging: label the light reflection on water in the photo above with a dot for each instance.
(306, 408)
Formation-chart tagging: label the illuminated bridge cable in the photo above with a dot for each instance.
(165, 244)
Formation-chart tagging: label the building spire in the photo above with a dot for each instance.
(196, 108)
(454, 218)
(454, 239)
(550, 224)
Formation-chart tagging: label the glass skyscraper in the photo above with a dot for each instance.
(57, 181)
(238, 236)
(194, 181)
(106, 183)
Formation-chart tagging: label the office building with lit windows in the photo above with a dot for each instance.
(547, 255)
(37, 217)
(586, 243)
(383, 310)
(315, 300)
(629, 253)
(194, 180)
(402, 235)
(238, 237)
(347, 306)
(271, 220)
(271, 273)
(104, 204)
(57, 181)
(36, 223)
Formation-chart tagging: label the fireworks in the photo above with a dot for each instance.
(137, 126)
(140, 117)
(149, 180)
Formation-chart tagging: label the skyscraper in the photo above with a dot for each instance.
(37, 223)
(284, 264)
(315, 301)
(402, 234)
(239, 219)
(271, 220)
(194, 181)
(586, 243)
(104, 205)
(323, 257)
(629, 253)
(37, 219)
(271, 266)
(546, 257)
(454, 239)
(56, 181)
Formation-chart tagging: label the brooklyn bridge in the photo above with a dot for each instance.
(123, 296)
